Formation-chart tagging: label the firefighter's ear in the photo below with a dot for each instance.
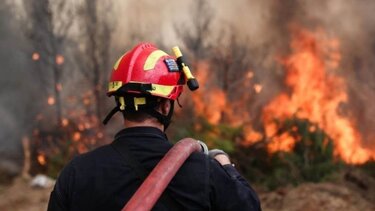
(165, 107)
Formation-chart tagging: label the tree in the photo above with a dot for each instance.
(95, 38)
(194, 37)
(47, 28)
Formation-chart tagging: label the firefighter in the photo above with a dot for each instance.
(145, 83)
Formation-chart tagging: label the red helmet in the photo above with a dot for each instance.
(146, 69)
(144, 74)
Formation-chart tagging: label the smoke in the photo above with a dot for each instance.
(262, 27)
(268, 25)
(265, 27)
(16, 87)
(352, 23)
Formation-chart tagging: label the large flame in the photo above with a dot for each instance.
(212, 102)
(209, 104)
(316, 93)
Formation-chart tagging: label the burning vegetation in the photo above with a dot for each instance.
(315, 91)
(278, 98)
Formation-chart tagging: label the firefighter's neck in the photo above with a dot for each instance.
(147, 123)
(163, 109)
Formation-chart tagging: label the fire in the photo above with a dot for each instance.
(41, 159)
(250, 75)
(211, 101)
(76, 136)
(59, 59)
(258, 88)
(208, 105)
(64, 122)
(251, 136)
(316, 94)
(51, 100)
(35, 56)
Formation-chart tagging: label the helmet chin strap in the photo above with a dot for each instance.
(163, 119)
(110, 114)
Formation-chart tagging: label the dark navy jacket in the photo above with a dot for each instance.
(101, 180)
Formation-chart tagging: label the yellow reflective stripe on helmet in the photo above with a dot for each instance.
(117, 63)
(152, 59)
(114, 86)
(161, 90)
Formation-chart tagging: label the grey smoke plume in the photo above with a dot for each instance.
(17, 87)
(266, 25)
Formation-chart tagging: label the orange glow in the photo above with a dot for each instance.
(208, 105)
(64, 122)
(76, 136)
(251, 136)
(51, 100)
(82, 148)
(81, 127)
(250, 75)
(100, 135)
(35, 56)
(212, 102)
(285, 142)
(59, 59)
(316, 94)
(86, 101)
(258, 88)
(41, 159)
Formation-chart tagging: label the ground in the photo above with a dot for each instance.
(352, 191)
(21, 196)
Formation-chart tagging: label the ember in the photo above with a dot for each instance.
(35, 56)
(76, 136)
(41, 159)
(51, 100)
(59, 59)
(258, 88)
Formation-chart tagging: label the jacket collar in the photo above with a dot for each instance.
(141, 131)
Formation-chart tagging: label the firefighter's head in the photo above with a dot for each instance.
(144, 81)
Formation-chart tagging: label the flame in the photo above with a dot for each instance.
(208, 105)
(81, 127)
(251, 136)
(211, 101)
(78, 123)
(51, 100)
(41, 159)
(59, 59)
(249, 75)
(64, 122)
(316, 94)
(258, 88)
(76, 136)
(86, 101)
(285, 142)
(35, 56)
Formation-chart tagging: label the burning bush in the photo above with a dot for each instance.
(55, 146)
(310, 158)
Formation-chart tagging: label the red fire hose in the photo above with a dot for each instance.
(154, 185)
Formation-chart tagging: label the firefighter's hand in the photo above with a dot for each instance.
(220, 156)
